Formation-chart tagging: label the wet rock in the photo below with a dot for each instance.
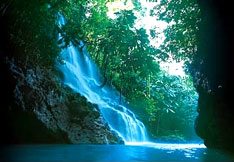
(56, 113)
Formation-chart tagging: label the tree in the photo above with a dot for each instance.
(175, 101)
(183, 17)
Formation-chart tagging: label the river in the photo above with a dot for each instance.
(129, 152)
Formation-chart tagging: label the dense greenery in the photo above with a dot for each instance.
(123, 52)
(172, 109)
(183, 17)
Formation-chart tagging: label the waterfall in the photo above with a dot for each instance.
(83, 76)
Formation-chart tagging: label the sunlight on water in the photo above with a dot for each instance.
(167, 146)
(188, 150)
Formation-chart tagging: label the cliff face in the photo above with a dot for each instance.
(42, 110)
(214, 76)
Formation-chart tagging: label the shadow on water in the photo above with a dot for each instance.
(129, 152)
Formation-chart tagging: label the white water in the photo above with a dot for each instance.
(83, 76)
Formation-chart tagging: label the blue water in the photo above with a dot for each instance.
(131, 152)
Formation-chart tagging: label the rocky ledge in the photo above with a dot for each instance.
(43, 110)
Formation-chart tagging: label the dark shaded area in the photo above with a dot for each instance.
(213, 75)
(25, 128)
(6, 81)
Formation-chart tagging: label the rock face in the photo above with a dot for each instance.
(43, 110)
(214, 76)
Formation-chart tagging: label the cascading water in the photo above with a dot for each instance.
(83, 76)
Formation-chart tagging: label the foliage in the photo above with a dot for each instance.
(171, 107)
(183, 17)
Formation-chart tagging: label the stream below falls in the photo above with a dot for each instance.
(129, 152)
